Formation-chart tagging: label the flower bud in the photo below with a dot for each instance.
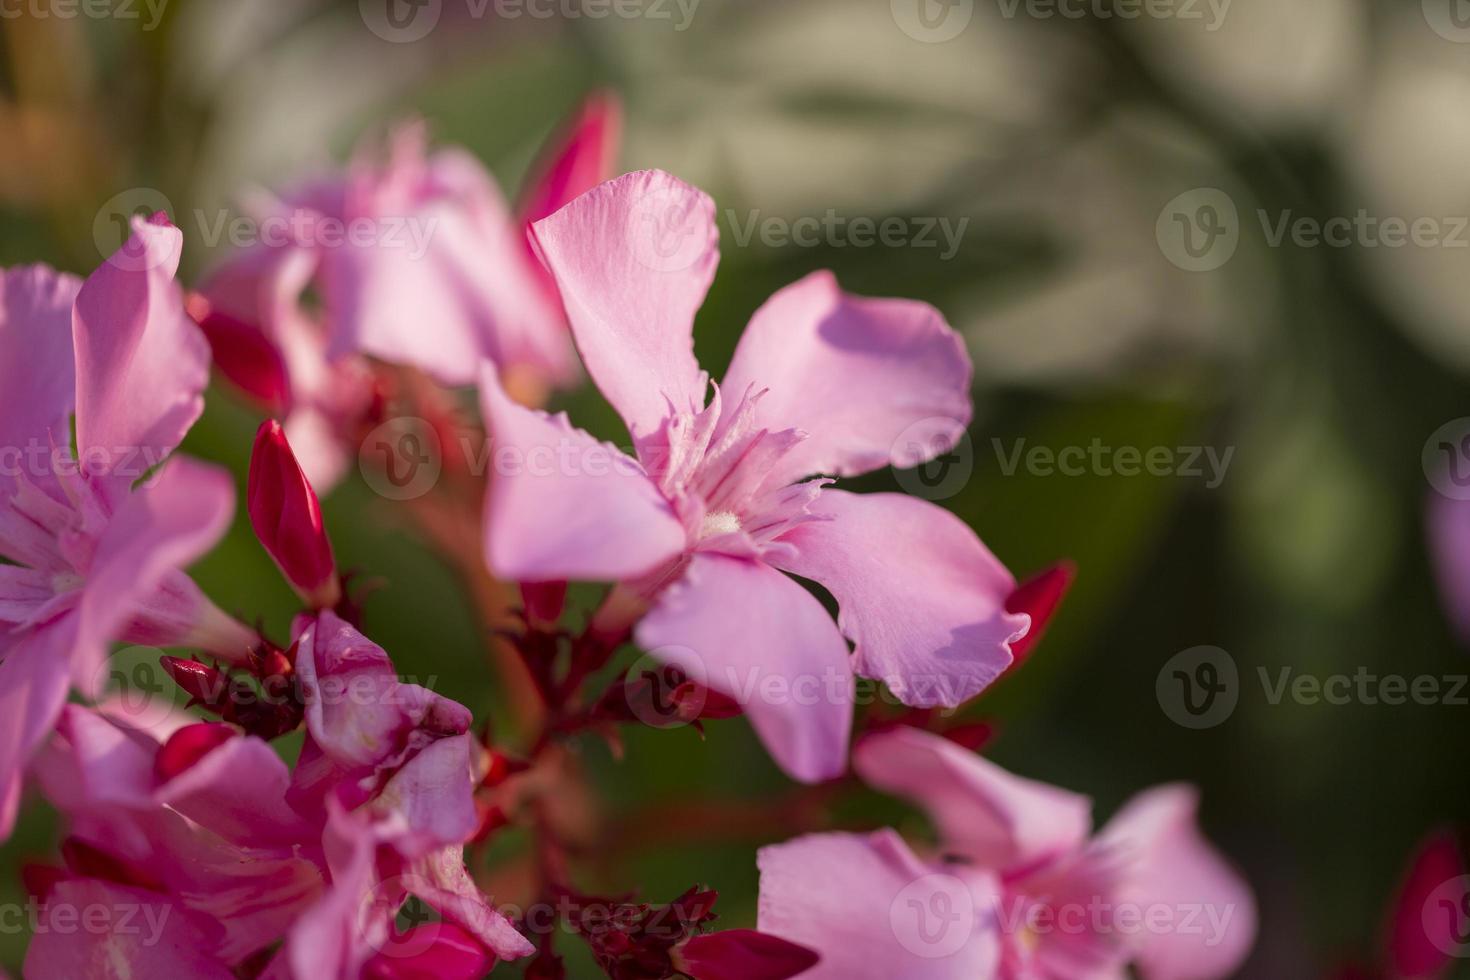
(242, 354)
(288, 519)
(187, 746)
(743, 954)
(1038, 597)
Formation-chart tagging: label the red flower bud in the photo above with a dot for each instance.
(544, 602)
(743, 954)
(243, 355)
(39, 879)
(288, 519)
(187, 746)
(204, 685)
(89, 861)
(432, 951)
(1038, 597)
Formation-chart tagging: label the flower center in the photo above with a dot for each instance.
(720, 522)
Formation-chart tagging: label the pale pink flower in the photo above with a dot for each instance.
(245, 853)
(1019, 888)
(96, 560)
(718, 504)
(417, 260)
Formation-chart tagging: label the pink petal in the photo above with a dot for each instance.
(870, 908)
(444, 282)
(633, 259)
(144, 934)
(158, 529)
(238, 791)
(434, 792)
(350, 688)
(873, 382)
(141, 363)
(921, 597)
(37, 376)
(1429, 898)
(745, 630)
(1176, 868)
(33, 685)
(444, 882)
(577, 161)
(562, 505)
(432, 951)
(999, 820)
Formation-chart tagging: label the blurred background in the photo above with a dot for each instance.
(1117, 212)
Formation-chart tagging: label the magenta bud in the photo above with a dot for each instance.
(288, 519)
(1039, 597)
(743, 954)
(243, 354)
(187, 746)
(204, 684)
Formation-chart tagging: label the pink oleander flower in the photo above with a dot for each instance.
(96, 549)
(1018, 889)
(718, 505)
(417, 260)
(256, 870)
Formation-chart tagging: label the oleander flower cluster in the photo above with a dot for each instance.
(301, 811)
